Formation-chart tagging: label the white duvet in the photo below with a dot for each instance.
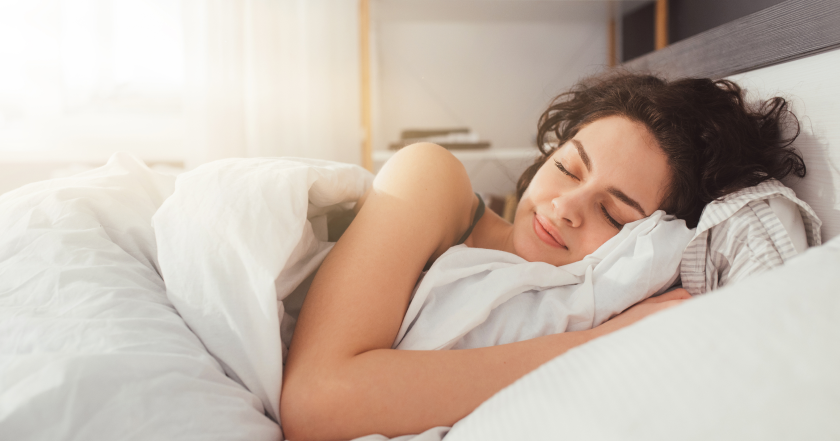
(234, 240)
(93, 345)
(91, 348)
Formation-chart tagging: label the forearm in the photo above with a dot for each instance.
(395, 392)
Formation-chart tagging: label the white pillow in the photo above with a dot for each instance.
(756, 360)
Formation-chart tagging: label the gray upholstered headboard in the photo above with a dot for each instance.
(790, 50)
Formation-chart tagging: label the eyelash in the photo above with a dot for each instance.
(563, 169)
(610, 219)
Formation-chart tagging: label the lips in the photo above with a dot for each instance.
(547, 233)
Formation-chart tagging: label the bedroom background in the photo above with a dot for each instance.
(181, 83)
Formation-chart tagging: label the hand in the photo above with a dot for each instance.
(642, 310)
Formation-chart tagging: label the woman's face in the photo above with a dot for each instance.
(611, 173)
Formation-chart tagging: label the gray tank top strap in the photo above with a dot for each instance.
(478, 213)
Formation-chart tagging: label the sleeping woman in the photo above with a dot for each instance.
(614, 150)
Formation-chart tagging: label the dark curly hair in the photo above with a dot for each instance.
(715, 142)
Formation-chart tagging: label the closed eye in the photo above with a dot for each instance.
(563, 169)
(610, 218)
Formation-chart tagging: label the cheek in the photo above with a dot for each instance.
(522, 227)
(539, 191)
(523, 207)
(595, 237)
(522, 215)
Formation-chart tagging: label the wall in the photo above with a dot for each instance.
(491, 66)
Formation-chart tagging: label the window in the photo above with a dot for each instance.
(80, 79)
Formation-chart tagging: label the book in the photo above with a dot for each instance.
(453, 139)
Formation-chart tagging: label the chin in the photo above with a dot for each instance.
(529, 251)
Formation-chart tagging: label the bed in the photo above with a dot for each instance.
(94, 345)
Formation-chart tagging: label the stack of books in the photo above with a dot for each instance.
(453, 139)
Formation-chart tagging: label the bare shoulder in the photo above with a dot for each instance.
(427, 166)
(435, 183)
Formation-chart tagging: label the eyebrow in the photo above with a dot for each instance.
(626, 199)
(583, 156)
(612, 190)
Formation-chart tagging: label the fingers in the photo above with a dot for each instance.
(670, 303)
(653, 308)
(640, 311)
(676, 294)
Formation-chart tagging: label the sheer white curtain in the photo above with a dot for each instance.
(272, 78)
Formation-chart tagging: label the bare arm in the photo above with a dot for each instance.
(342, 380)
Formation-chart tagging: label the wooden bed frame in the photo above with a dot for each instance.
(790, 50)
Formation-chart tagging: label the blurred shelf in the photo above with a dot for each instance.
(484, 154)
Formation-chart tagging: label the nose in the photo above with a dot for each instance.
(568, 208)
